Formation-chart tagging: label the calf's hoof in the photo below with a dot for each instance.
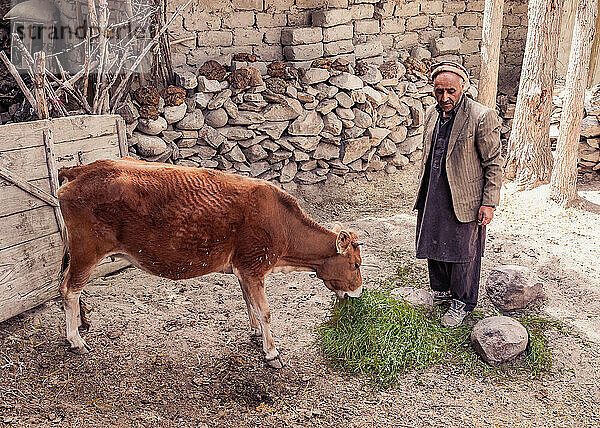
(275, 363)
(80, 350)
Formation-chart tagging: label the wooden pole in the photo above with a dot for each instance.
(39, 78)
(490, 52)
(563, 185)
(53, 174)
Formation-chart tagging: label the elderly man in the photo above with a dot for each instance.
(460, 180)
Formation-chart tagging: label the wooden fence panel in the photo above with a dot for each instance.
(30, 240)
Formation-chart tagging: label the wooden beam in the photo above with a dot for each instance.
(7, 175)
(53, 173)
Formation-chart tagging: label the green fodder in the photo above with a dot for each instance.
(383, 338)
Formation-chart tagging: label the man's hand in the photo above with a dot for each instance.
(485, 216)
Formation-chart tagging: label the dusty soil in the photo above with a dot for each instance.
(171, 353)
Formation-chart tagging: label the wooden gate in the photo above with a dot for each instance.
(31, 225)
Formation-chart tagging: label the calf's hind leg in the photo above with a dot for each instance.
(77, 275)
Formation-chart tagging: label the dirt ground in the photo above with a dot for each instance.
(169, 353)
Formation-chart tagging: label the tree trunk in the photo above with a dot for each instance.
(490, 52)
(563, 186)
(529, 155)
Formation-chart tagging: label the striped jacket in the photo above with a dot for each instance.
(473, 159)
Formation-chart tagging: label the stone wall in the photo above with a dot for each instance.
(392, 29)
(293, 126)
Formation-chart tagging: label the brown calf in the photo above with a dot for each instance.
(179, 222)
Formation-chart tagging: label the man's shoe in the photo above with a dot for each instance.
(440, 297)
(455, 315)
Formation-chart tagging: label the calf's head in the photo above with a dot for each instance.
(341, 272)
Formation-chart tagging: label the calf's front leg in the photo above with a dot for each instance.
(254, 294)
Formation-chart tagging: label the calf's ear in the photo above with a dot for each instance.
(337, 227)
(343, 242)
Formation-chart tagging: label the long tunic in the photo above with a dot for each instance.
(440, 236)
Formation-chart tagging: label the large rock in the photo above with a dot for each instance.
(193, 120)
(512, 287)
(410, 144)
(152, 127)
(346, 81)
(206, 85)
(308, 123)
(288, 110)
(355, 148)
(361, 118)
(175, 113)
(288, 172)
(414, 296)
(499, 339)
(216, 118)
(149, 145)
(332, 124)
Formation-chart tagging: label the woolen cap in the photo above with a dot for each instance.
(452, 67)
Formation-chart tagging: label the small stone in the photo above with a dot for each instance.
(231, 108)
(255, 153)
(236, 133)
(499, 339)
(211, 136)
(202, 99)
(273, 129)
(170, 136)
(152, 127)
(374, 96)
(372, 76)
(216, 118)
(326, 151)
(410, 144)
(247, 118)
(288, 172)
(378, 133)
(219, 100)
(399, 134)
(326, 106)
(387, 148)
(344, 113)
(185, 79)
(399, 160)
(332, 124)
(235, 155)
(355, 149)
(304, 143)
(193, 120)
(288, 110)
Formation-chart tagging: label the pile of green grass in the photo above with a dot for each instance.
(383, 338)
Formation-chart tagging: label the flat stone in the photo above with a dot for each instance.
(308, 123)
(354, 132)
(235, 155)
(358, 96)
(410, 144)
(288, 110)
(247, 118)
(362, 119)
(331, 17)
(309, 177)
(206, 85)
(325, 91)
(258, 168)
(355, 149)
(378, 133)
(513, 287)
(326, 151)
(255, 153)
(326, 106)
(499, 339)
(386, 148)
(149, 145)
(202, 99)
(332, 124)
(152, 127)
(304, 143)
(170, 136)
(231, 108)
(273, 129)
(303, 52)
(344, 100)
(288, 172)
(211, 136)
(399, 160)
(374, 96)
(219, 100)
(193, 120)
(369, 50)
(279, 155)
(344, 113)
(372, 76)
(313, 76)
(399, 134)
(346, 81)
(236, 133)
(185, 79)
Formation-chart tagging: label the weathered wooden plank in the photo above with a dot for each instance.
(21, 135)
(30, 162)
(27, 187)
(14, 199)
(29, 274)
(74, 128)
(27, 225)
